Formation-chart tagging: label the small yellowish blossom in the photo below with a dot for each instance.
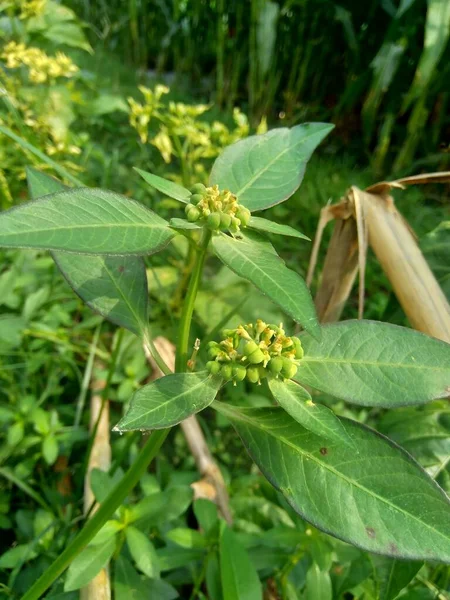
(41, 66)
(163, 142)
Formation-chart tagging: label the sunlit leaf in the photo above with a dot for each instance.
(87, 564)
(271, 276)
(169, 188)
(376, 364)
(263, 170)
(142, 551)
(271, 227)
(378, 499)
(169, 400)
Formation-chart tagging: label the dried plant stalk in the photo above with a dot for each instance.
(370, 217)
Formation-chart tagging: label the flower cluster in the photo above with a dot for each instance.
(141, 114)
(29, 8)
(216, 209)
(255, 351)
(41, 66)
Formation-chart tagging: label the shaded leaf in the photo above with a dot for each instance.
(271, 276)
(186, 538)
(318, 584)
(315, 417)
(85, 220)
(239, 577)
(114, 286)
(393, 575)
(271, 227)
(14, 557)
(167, 401)
(183, 224)
(87, 564)
(379, 499)
(263, 170)
(165, 186)
(376, 364)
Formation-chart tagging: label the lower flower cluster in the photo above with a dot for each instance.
(253, 352)
(218, 210)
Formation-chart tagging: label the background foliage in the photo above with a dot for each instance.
(98, 87)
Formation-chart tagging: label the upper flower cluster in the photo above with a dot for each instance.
(216, 209)
(41, 66)
(255, 351)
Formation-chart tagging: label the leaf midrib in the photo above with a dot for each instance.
(139, 322)
(268, 165)
(371, 363)
(241, 417)
(85, 227)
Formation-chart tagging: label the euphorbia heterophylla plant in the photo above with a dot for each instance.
(343, 477)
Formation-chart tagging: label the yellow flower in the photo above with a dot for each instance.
(163, 142)
(41, 66)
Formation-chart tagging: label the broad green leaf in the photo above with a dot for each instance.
(87, 564)
(16, 556)
(85, 220)
(315, 417)
(264, 170)
(376, 364)
(186, 538)
(173, 558)
(239, 577)
(318, 584)
(143, 552)
(127, 582)
(271, 276)
(50, 449)
(109, 530)
(162, 507)
(169, 400)
(271, 227)
(206, 514)
(183, 224)
(393, 575)
(165, 186)
(378, 499)
(114, 286)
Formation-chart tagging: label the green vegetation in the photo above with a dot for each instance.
(107, 102)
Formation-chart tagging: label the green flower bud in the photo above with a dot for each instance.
(212, 344)
(289, 369)
(214, 221)
(198, 188)
(226, 371)
(262, 372)
(213, 367)
(299, 352)
(193, 215)
(253, 374)
(225, 221)
(239, 372)
(256, 357)
(275, 365)
(235, 223)
(250, 347)
(196, 198)
(188, 208)
(213, 352)
(243, 214)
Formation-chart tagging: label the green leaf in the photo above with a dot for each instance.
(318, 584)
(114, 286)
(264, 170)
(239, 577)
(16, 556)
(169, 188)
(271, 227)
(50, 449)
(143, 552)
(127, 583)
(393, 575)
(376, 364)
(271, 276)
(315, 417)
(85, 220)
(169, 400)
(109, 530)
(206, 514)
(183, 224)
(378, 499)
(186, 538)
(87, 564)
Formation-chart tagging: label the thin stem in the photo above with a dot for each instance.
(188, 306)
(104, 512)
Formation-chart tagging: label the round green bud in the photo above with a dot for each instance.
(225, 221)
(243, 214)
(253, 374)
(214, 221)
(213, 352)
(226, 371)
(299, 352)
(289, 369)
(250, 347)
(235, 223)
(239, 372)
(195, 199)
(262, 372)
(198, 188)
(193, 215)
(213, 367)
(275, 365)
(256, 357)
(212, 344)
(188, 208)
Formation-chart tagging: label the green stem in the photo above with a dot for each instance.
(188, 306)
(104, 512)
